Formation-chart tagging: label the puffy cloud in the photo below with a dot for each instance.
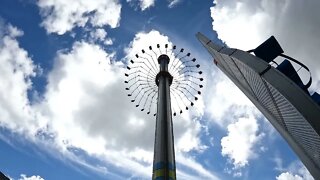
(34, 177)
(62, 16)
(229, 108)
(189, 139)
(238, 144)
(16, 70)
(302, 175)
(14, 31)
(98, 34)
(295, 171)
(79, 95)
(240, 23)
(245, 24)
(143, 4)
(224, 101)
(142, 40)
(288, 176)
(86, 108)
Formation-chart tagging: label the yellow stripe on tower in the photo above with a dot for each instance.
(161, 172)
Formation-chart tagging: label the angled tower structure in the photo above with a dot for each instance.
(278, 92)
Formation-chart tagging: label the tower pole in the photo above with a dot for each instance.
(151, 86)
(164, 166)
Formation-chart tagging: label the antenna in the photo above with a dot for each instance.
(163, 81)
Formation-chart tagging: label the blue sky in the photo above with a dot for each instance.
(64, 113)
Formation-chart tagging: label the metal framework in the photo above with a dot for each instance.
(151, 87)
(281, 98)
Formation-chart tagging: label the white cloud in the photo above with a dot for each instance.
(146, 4)
(189, 139)
(288, 176)
(229, 108)
(34, 177)
(295, 171)
(245, 24)
(62, 16)
(16, 70)
(189, 162)
(99, 35)
(14, 31)
(142, 40)
(279, 163)
(303, 174)
(143, 4)
(224, 101)
(79, 81)
(173, 3)
(239, 143)
(239, 23)
(86, 107)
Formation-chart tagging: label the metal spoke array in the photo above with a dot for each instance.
(141, 78)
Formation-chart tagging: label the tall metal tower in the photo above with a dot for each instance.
(151, 87)
(278, 92)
